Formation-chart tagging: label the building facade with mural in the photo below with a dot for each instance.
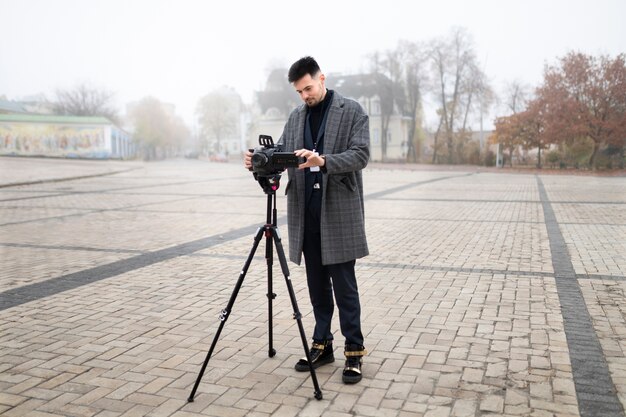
(63, 136)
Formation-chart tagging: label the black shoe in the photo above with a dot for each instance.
(321, 354)
(354, 361)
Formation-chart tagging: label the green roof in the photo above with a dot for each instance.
(53, 118)
(11, 107)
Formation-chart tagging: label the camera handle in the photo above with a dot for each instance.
(266, 141)
(272, 237)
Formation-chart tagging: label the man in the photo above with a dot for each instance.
(325, 209)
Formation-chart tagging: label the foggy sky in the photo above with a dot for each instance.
(180, 50)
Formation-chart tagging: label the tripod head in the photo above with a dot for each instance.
(269, 183)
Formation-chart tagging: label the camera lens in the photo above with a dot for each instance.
(259, 160)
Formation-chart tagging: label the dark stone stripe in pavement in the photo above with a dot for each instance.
(86, 212)
(101, 174)
(458, 200)
(601, 276)
(70, 248)
(464, 221)
(508, 272)
(456, 269)
(600, 203)
(504, 272)
(32, 292)
(46, 194)
(58, 193)
(404, 187)
(595, 390)
(27, 293)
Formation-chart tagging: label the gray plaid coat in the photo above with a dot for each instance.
(346, 146)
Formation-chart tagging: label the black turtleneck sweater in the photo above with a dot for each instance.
(313, 180)
(317, 115)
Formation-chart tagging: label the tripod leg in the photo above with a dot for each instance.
(269, 257)
(226, 312)
(296, 312)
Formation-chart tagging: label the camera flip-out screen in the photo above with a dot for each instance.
(285, 159)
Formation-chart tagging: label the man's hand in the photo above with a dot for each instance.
(247, 160)
(312, 159)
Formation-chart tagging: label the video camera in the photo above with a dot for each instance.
(269, 159)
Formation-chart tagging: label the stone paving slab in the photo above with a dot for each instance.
(17, 170)
(110, 307)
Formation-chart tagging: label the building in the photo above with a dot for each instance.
(36, 104)
(365, 88)
(63, 136)
(11, 107)
(272, 107)
(278, 99)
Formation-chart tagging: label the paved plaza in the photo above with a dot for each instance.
(485, 294)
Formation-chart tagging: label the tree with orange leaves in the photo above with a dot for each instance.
(585, 97)
(582, 97)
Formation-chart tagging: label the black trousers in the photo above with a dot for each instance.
(322, 281)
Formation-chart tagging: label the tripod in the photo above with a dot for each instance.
(269, 184)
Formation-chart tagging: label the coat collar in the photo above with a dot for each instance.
(335, 113)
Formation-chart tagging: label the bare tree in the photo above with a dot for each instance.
(459, 79)
(160, 132)
(414, 77)
(436, 138)
(149, 122)
(218, 114)
(477, 98)
(386, 73)
(516, 96)
(85, 100)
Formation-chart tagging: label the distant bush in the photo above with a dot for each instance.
(490, 158)
(553, 157)
(471, 153)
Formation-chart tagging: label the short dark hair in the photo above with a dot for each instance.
(302, 67)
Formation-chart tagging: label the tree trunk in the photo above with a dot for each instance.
(539, 157)
(594, 154)
(435, 142)
(384, 126)
(411, 154)
(450, 139)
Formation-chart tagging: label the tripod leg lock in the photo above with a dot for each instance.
(223, 315)
(271, 296)
(297, 315)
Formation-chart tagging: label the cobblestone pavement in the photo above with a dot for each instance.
(485, 294)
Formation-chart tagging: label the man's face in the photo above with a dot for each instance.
(311, 89)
